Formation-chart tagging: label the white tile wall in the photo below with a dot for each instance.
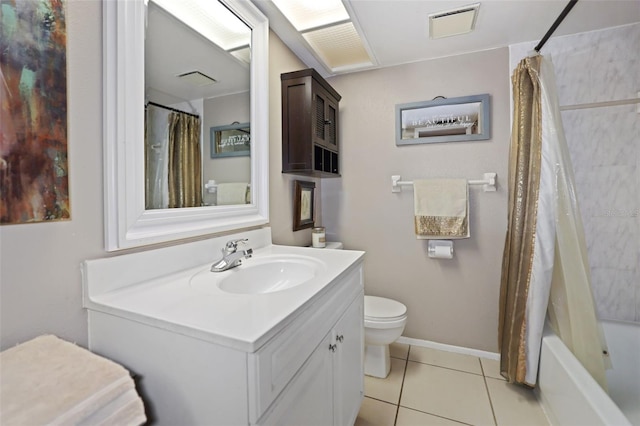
(604, 144)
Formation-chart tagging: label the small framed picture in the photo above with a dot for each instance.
(303, 205)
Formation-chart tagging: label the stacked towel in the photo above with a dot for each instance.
(49, 381)
(441, 208)
(232, 193)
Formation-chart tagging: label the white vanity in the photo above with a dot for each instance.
(209, 354)
(277, 340)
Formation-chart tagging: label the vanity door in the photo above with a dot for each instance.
(348, 382)
(308, 399)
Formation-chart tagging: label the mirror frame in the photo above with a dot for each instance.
(127, 223)
(484, 117)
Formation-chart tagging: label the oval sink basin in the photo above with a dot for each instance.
(262, 275)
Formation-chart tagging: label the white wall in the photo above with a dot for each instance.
(604, 143)
(449, 301)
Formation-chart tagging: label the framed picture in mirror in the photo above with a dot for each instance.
(303, 205)
(466, 118)
(233, 140)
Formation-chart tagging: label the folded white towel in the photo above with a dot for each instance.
(232, 193)
(441, 208)
(50, 381)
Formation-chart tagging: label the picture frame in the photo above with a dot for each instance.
(303, 205)
(466, 118)
(233, 140)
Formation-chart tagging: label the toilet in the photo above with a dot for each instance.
(384, 321)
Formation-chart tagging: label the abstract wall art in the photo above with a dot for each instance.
(34, 184)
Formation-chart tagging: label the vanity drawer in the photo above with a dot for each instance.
(273, 366)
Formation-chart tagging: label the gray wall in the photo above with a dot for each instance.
(449, 301)
(282, 60)
(40, 282)
(40, 262)
(223, 111)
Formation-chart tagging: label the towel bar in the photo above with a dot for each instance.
(489, 182)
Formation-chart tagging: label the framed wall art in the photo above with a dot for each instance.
(303, 205)
(466, 118)
(34, 179)
(233, 140)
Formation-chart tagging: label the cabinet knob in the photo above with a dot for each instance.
(332, 348)
(340, 338)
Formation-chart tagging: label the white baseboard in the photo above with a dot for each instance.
(448, 348)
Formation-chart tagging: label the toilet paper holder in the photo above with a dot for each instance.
(440, 249)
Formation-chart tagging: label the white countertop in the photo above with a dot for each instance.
(241, 321)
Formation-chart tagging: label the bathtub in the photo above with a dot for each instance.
(570, 396)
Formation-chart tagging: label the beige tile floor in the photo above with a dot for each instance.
(432, 387)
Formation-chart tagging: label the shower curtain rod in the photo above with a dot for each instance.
(555, 25)
(172, 109)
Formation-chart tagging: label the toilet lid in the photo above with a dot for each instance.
(382, 308)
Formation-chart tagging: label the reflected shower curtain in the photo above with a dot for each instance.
(185, 177)
(172, 159)
(545, 252)
(155, 158)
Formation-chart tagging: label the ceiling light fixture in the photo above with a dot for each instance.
(452, 22)
(306, 15)
(329, 31)
(211, 19)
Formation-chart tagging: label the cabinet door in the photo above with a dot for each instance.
(308, 399)
(348, 384)
(297, 125)
(325, 119)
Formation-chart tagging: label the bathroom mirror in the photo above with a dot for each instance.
(197, 75)
(464, 118)
(128, 223)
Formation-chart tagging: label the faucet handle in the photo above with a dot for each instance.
(232, 245)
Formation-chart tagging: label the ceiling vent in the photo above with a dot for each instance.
(453, 22)
(197, 78)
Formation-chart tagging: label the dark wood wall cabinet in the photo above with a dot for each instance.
(309, 125)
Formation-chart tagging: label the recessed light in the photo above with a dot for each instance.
(452, 22)
(308, 14)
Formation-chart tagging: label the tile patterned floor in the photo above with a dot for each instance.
(432, 387)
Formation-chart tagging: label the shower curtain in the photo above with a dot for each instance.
(173, 176)
(545, 264)
(185, 175)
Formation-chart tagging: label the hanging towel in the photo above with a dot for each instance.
(441, 208)
(232, 193)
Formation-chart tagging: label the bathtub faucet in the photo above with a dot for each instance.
(231, 257)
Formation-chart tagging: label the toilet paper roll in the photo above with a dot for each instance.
(440, 249)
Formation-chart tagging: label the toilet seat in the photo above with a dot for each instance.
(380, 312)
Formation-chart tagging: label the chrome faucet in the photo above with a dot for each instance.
(231, 257)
